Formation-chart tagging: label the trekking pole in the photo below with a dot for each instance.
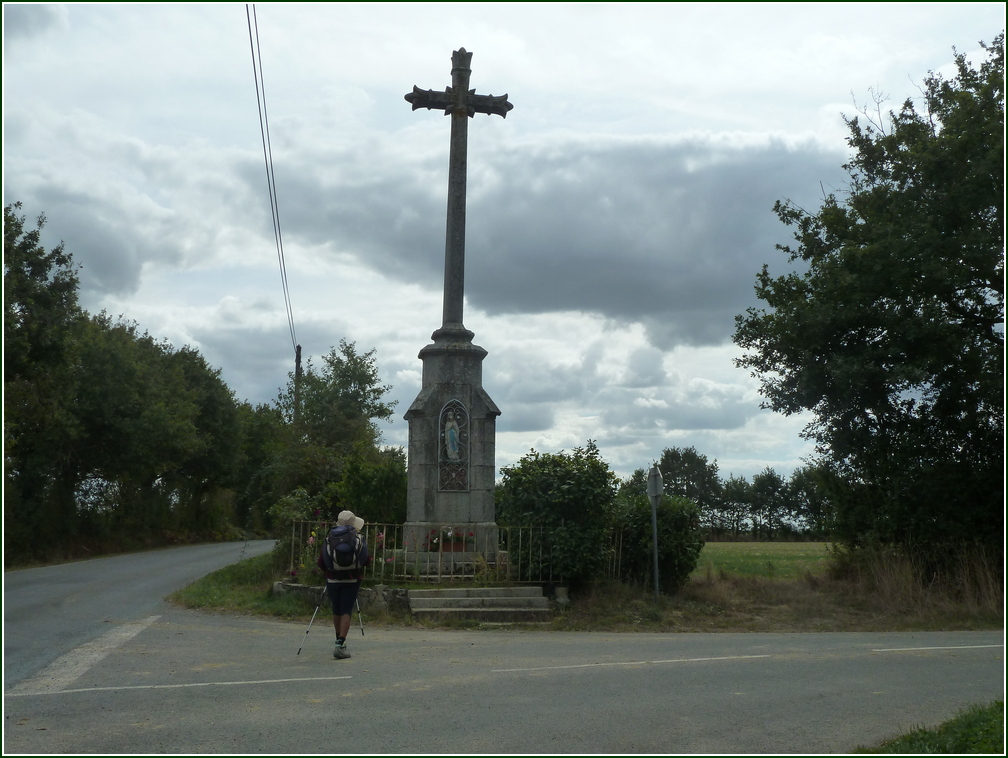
(360, 618)
(312, 619)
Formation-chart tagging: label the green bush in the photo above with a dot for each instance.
(680, 541)
(572, 496)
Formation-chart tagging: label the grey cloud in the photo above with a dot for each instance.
(635, 232)
(23, 21)
(728, 413)
(668, 234)
(539, 384)
(255, 363)
(516, 378)
(527, 417)
(392, 223)
(99, 239)
(120, 204)
(644, 369)
(258, 359)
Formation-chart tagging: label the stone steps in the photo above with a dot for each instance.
(434, 603)
(492, 604)
(479, 592)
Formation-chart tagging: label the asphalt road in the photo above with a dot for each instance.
(177, 681)
(49, 611)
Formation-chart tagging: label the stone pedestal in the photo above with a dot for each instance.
(452, 425)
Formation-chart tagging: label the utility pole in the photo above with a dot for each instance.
(297, 384)
(654, 491)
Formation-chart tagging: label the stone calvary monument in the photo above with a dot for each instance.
(452, 422)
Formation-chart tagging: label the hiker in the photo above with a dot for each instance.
(343, 558)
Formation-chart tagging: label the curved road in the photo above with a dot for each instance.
(49, 611)
(155, 678)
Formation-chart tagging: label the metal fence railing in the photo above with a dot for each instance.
(445, 552)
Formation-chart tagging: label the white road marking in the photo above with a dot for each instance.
(947, 647)
(67, 669)
(178, 686)
(632, 663)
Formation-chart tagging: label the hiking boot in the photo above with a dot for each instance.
(340, 651)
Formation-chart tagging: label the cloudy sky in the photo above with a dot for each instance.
(616, 218)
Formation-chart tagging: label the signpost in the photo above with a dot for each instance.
(654, 491)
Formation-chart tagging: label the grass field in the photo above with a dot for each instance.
(773, 560)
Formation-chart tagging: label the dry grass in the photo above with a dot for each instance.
(874, 593)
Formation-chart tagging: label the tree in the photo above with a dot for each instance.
(769, 504)
(891, 333)
(41, 319)
(40, 299)
(572, 494)
(340, 404)
(812, 506)
(137, 425)
(108, 433)
(262, 436)
(207, 477)
(635, 484)
(374, 484)
(686, 473)
(736, 500)
(680, 540)
(333, 436)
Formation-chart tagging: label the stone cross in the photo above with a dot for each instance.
(461, 103)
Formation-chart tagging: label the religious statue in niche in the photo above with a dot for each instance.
(453, 450)
(451, 435)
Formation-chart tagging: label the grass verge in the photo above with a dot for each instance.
(244, 587)
(978, 729)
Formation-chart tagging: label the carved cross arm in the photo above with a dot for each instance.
(488, 104)
(446, 101)
(429, 99)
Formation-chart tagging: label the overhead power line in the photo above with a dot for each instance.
(268, 156)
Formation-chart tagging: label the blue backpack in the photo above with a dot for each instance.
(342, 550)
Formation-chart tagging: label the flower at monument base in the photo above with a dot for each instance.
(448, 535)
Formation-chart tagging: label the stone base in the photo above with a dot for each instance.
(457, 565)
(425, 537)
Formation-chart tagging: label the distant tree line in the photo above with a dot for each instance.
(114, 439)
(768, 507)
